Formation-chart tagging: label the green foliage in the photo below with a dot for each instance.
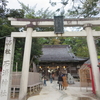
(55, 41)
(36, 44)
(78, 8)
(98, 57)
(78, 44)
(90, 8)
(18, 55)
(3, 4)
(5, 30)
(16, 13)
(96, 28)
(97, 40)
(30, 12)
(36, 51)
(86, 8)
(49, 41)
(45, 14)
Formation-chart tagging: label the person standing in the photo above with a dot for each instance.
(45, 79)
(64, 83)
(51, 78)
(60, 80)
(53, 75)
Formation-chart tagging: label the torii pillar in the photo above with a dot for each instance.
(26, 61)
(93, 57)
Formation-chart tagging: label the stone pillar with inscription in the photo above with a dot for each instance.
(25, 66)
(7, 69)
(93, 58)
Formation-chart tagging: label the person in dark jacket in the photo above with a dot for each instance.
(51, 78)
(60, 81)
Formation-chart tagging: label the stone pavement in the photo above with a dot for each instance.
(73, 92)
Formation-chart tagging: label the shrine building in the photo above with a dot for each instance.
(59, 58)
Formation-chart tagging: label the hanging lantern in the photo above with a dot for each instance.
(57, 67)
(64, 66)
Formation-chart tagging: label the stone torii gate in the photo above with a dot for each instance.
(29, 33)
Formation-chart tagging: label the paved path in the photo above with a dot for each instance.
(52, 92)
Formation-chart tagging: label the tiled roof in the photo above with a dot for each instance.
(58, 53)
(89, 62)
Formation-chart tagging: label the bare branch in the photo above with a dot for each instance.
(82, 2)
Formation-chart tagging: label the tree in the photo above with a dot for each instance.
(19, 47)
(6, 29)
(78, 8)
(88, 8)
(37, 42)
(16, 13)
(75, 41)
(30, 12)
(3, 4)
(36, 51)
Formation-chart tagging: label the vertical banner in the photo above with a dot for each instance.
(7, 69)
(58, 24)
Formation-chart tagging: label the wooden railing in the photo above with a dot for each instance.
(34, 78)
(34, 82)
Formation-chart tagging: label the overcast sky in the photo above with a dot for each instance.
(13, 4)
(40, 3)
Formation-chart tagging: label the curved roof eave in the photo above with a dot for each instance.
(58, 53)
